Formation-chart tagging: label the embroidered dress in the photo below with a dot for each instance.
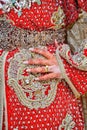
(24, 103)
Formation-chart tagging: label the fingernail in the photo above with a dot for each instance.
(36, 79)
(31, 49)
(28, 70)
(25, 62)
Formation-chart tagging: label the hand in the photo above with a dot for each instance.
(49, 65)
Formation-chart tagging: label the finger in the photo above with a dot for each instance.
(56, 43)
(38, 61)
(54, 69)
(48, 76)
(37, 70)
(43, 52)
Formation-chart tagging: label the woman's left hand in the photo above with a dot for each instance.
(49, 65)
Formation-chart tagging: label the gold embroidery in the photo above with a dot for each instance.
(2, 89)
(67, 123)
(30, 93)
(77, 39)
(58, 18)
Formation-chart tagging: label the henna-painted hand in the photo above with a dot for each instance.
(49, 65)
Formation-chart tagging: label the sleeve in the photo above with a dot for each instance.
(78, 59)
(72, 57)
(75, 52)
(75, 78)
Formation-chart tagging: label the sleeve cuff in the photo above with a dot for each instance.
(75, 78)
(64, 75)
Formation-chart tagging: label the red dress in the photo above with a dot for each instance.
(46, 107)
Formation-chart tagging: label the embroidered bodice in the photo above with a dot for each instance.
(39, 14)
(35, 15)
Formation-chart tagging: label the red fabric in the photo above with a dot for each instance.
(83, 4)
(77, 77)
(48, 118)
(1, 12)
(38, 17)
(71, 12)
(22, 118)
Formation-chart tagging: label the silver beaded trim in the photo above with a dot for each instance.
(12, 37)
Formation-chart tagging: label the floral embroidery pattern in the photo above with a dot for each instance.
(58, 18)
(79, 60)
(30, 93)
(17, 5)
(67, 123)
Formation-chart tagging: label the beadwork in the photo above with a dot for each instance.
(58, 18)
(17, 5)
(12, 37)
(31, 94)
(77, 38)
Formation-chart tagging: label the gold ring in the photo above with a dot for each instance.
(46, 68)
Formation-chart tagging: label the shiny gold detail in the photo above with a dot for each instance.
(30, 93)
(46, 68)
(73, 52)
(37, 92)
(58, 18)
